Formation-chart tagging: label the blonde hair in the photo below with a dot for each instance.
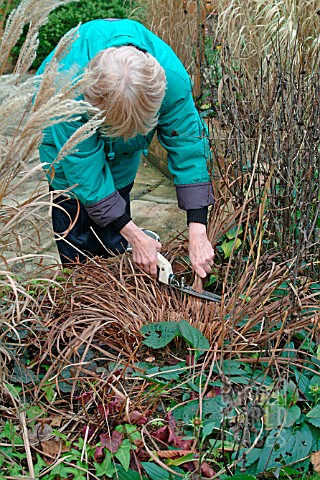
(128, 87)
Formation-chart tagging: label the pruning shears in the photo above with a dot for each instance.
(167, 276)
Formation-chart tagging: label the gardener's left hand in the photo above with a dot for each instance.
(201, 253)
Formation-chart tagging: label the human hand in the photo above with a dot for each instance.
(201, 253)
(144, 248)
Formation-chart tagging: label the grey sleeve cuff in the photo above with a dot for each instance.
(107, 210)
(192, 196)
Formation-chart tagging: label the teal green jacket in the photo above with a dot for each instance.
(102, 165)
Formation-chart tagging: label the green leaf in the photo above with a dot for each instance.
(209, 427)
(9, 432)
(315, 438)
(123, 454)
(22, 374)
(233, 367)
(158, 335)
(181, 460)
(62, 471)
(39, 466)
(315, 287)
(194, 337)
(251, 456)
(155, 472)
(303, 384)
(243, 476)
(212, 410)
(34, 412)
(314, 386)
(129, 431)
(230, 246)
(231, 234)
(106, 467)
(284, 446)
(49, 390)
(282, 290)
(314, 416)
(280, 416)
(290, 393)
(129, 475)
(219, 444)
(14, 389)
(170, 373)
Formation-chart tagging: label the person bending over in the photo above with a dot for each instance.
(142, 88)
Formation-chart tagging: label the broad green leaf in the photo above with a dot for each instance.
(315, 438)
(251, 456)
(282, 290)
(233, 367)
(106, 467)
(289, 351)
(194, 337)
(277, 416)
(314, 416)
(158, 335)
(212, 409)
(181, 460)
(209, 427)
(34, 412)
(129, 431)
(9, 432)
(284, 446)
(303, 384)
(243, 476)
(290, 393)
(129, 475)
(215, 444)
(155, 472)
(123, 454)
(231, 234)
(22, 374)
(230, 246)
(14, 389)
(170, 373)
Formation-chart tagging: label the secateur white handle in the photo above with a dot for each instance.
(165, 269)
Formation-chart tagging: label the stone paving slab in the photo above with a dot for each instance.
(154, 203)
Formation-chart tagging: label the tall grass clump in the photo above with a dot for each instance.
(27, 106)
(266, 126)
(177, 24)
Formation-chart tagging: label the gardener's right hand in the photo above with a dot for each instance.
(144, 248)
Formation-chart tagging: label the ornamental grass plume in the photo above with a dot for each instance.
(252, 28)
(27, 106)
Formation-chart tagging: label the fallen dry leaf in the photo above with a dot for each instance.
(137, 418)
(315, 460)
(53, 448)
(40, 432)
(113, 442)
(206, 470)
(173, 453)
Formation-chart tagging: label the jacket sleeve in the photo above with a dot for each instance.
(183, 134)
(88, 174)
